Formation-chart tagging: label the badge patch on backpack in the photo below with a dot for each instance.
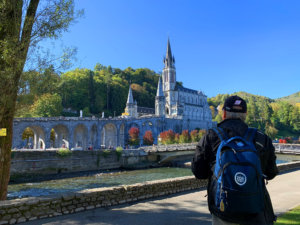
(239, 178)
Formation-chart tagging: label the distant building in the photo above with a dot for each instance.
(173, 100)
(176, 108)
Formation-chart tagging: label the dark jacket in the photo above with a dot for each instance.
(204, 161)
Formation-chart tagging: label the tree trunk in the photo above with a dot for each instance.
(5, 154)
(14, 53)
(7, 101)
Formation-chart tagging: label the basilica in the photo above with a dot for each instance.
(176, 108)
(174, 101)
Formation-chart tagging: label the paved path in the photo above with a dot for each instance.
(180, 209)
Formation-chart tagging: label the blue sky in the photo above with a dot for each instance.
(220, 46)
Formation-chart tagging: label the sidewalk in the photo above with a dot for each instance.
(180, 209)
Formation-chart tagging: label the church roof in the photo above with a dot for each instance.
(130, 96)
(188, 90)
(169, 52)
(159, 92)
(169, 60)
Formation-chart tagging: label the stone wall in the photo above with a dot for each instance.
(21, 210)
(50, 162)
(289, 148)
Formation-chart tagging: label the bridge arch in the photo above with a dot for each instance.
(61, 136)
(38, 141)
(109, 135)
(80, 136)
(147, 126)
(93, 136)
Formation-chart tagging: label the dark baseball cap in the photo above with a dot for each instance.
(235, 104)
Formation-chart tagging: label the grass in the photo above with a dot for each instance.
(63, 152)
(119, 151)
(106, 153)
(290, 217)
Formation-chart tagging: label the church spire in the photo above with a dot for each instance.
(159, 92)
(169, 60)
(130, 96)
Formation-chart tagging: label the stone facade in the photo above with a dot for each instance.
(183, 102)
(175, 101)
(80, 133)
(50, 162)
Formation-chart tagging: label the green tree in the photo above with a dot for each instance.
(23, 24)
(74, 89)
(271, 131)
(28, 133)
(47, 106)
(32, 85)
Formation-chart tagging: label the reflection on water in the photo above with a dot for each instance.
(279, 161)
(95, 181)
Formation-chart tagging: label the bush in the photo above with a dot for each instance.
(167, 137)
(106, 153)
(63, 152)
(184, 137)
(148, 138)
(119, 151)
(201, 133)
(134, 133)
(195, 136)
(176, 139)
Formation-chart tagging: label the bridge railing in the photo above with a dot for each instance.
(287, 148)
(168, 148)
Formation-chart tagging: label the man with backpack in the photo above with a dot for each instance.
(236, 160)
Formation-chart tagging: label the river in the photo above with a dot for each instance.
(106, 179)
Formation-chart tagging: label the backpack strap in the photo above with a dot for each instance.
(250, 133)
(220, 132)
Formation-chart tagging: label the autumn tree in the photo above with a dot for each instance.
(184, 137)
(194, 136)
(167, 137)
(134, 134)
(148, 138)
(23, 24)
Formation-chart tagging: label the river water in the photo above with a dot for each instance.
(106, 179)
(95, 181)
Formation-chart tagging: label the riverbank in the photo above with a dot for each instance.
(21, 210)
(188, 207)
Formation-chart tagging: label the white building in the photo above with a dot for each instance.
(175, 101)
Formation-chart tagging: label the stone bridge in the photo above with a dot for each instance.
(82, 132)
(167, 153)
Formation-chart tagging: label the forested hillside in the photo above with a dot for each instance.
(293, 98)
(105, 89)
(276, 118)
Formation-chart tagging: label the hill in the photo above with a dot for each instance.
(278, 118)
(293, 98)
(220, 98)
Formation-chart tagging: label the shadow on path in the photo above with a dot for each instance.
(179, 209)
